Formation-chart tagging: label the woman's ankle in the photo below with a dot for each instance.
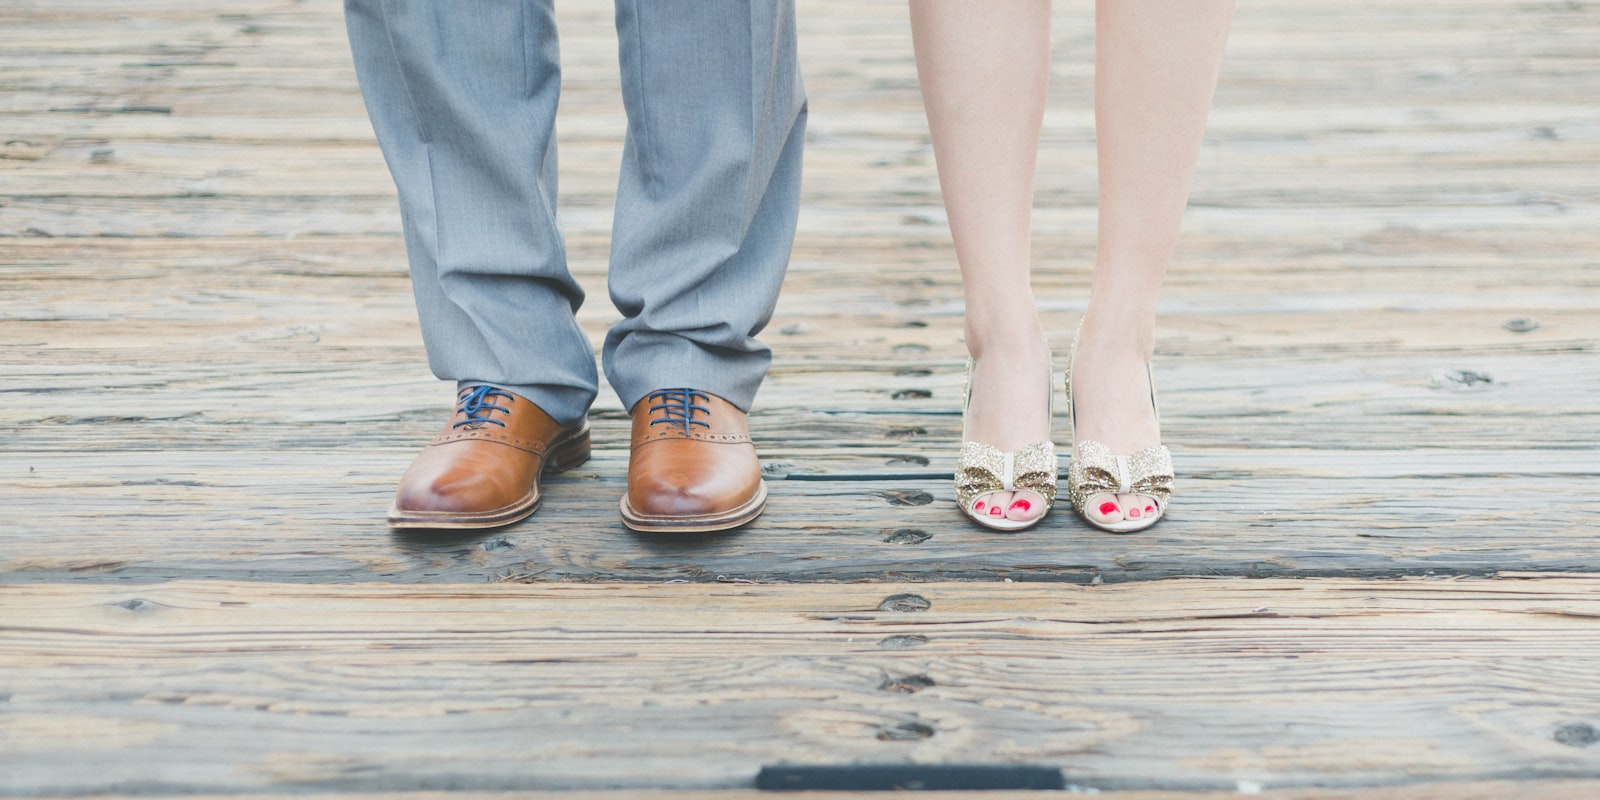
(1118, 334)
(1008, 341)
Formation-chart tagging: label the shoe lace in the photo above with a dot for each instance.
(477, 402)
(678, 407)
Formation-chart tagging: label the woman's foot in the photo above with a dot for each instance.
(1110, 385)
(1009, 408)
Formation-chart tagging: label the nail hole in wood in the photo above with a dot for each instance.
(907, 536)
(907, 684)
(906, 603)
(905, 732)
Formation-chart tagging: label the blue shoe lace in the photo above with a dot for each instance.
(678, 407)
(477, 402)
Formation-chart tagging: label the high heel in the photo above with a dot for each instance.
(985, 468)
(1096, 471)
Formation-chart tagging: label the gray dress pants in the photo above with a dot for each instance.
(462, 95)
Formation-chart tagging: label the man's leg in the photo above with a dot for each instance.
(708, 195)
(705, 220)
(463, 97)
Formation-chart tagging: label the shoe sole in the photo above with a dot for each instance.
(704, 523)
(1006, 525)
(562, 456)
(1126, 526)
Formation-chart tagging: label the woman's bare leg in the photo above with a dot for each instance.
(984, 68)
(1156, 66)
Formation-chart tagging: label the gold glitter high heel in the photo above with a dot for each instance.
(1096, 471)
(984, 469)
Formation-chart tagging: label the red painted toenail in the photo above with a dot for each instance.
(979, 505)
(1108, 508)
(1134, 512)
(1149, 509)
(1022, 505)
(996, 511)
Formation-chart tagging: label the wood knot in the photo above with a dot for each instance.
(136, 604)
(781, 470)
(903, 642)
(906, 497)
(1577, 734)
(1463, 378)
(905, 603)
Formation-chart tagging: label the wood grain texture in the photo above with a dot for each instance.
(1173, 685)
(211, 375)
(212, 367)
(1250, 513)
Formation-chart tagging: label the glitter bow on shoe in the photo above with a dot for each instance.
(1095, 470)
(985, 469)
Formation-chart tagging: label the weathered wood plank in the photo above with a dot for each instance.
(1167, 685)
(1475, 790)
(1430, 790)
(1369, 213)
(209, 368)
(1244, 513)
(1336, 274)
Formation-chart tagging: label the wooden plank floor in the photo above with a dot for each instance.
(1183, 683)
(1378, 375)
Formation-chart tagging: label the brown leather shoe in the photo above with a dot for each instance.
(483, 470)
(693, 467)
